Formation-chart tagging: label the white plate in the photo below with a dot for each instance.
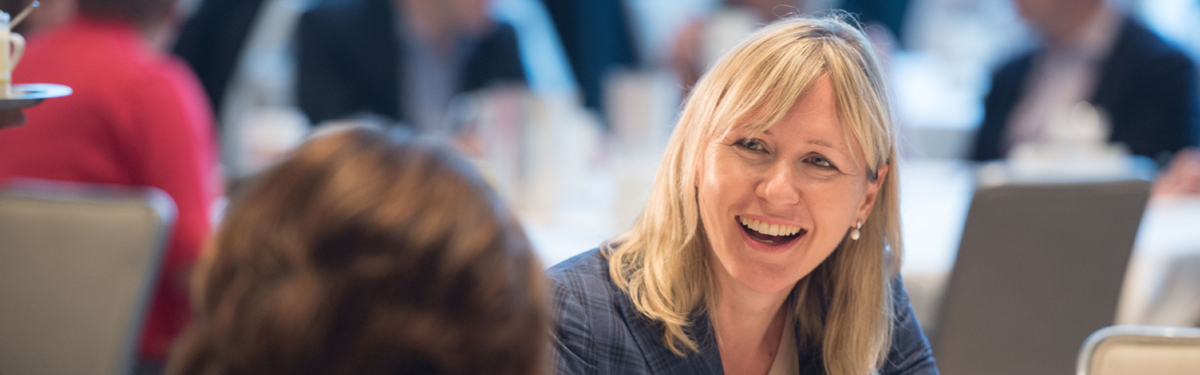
(30, 94)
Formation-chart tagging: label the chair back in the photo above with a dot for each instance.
(1039, 267)
(1141, 350)
(77, 265)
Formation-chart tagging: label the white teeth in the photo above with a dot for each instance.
(769, 229)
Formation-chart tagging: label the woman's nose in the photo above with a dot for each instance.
(778, 187)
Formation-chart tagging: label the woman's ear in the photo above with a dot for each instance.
(873, 191)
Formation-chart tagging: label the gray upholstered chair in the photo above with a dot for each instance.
(1141, 350)
(77, 266)
(1039, 268)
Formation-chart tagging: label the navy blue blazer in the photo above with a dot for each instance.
(1147, 87)
(598, 331)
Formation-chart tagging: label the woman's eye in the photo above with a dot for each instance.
(750, 144)
(821, 162)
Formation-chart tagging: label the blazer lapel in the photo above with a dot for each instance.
(659, 359)
(1111, 77)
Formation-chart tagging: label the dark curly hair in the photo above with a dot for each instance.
(365, 255)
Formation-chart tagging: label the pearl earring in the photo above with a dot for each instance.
(854, 235)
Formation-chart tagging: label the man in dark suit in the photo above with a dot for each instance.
(400, 59)
(1091, 52)
(212, 41)
(597, 38)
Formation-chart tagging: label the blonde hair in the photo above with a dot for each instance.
(844, 306)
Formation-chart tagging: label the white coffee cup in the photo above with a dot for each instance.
(9, 56)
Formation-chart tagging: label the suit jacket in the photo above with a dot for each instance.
(600, 332)
(1147, 87)
(211, 42)
(597, 39)
(349, 61)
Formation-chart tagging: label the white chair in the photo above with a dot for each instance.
(1141, 350)
(77, 266)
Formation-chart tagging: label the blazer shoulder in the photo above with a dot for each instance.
(584, 276)
(586, 335)
(1137, 46)
(1145, 41)
(337, 13)
(590, 262)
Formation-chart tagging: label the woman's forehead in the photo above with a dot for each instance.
(813, 112)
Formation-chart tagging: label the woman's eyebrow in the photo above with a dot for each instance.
(819, 143)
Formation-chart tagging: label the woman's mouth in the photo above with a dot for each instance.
(770, 234)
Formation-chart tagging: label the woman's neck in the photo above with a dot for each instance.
(748, 325)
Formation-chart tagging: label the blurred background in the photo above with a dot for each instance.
(566, 105)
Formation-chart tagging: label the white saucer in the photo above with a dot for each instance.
(30, 94)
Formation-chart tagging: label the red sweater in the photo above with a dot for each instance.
(137, 117)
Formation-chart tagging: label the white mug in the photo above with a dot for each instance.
(9, 56)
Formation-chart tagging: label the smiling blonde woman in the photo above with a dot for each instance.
(771, 241)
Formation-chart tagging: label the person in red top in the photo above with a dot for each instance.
(137, 117)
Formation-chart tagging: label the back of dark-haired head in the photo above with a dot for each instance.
(364, 255)
(143, 13)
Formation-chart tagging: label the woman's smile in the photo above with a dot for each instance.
(776, 237)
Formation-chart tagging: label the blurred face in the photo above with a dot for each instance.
(471, 15)
(1053, 18)
(1036, 12)
(775, 204)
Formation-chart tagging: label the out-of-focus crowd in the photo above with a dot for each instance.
(198, 98)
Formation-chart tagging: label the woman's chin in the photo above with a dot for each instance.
(769, 272)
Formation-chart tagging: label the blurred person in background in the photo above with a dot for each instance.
(888, 15)
(1093, 52)
(703, 41)
(212, 42)
(363, 254)
(243, 53)
(137, 117)
(771, 240)
(1181, 176)
(48, 14)
(597, 36)
(400, 59)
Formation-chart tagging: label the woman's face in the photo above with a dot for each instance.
(775, 204)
